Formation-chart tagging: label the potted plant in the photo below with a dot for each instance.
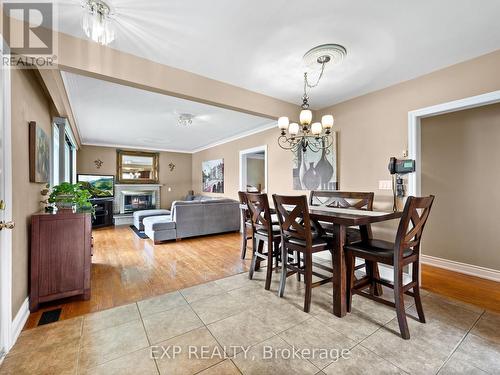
(70, 196)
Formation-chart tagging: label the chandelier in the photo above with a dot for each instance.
(97, 21)
(185, 119)
(307, 134)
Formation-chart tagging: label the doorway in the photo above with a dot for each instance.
(253, 170)
(5, 210)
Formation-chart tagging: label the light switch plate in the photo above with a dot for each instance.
(385, 185)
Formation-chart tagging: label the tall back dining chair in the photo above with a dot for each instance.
(404, 251)
(303, 237)
(264, 232)
(246, 220)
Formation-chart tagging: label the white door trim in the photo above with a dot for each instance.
(6, 337)
(243, 166)
(414, 134)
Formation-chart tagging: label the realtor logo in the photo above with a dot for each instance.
(27, 28)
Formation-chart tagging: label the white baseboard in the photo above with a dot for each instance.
(468, 269)
(19, 322)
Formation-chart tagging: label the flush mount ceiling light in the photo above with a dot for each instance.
(314, 136)
(97, 21)
(185, 119)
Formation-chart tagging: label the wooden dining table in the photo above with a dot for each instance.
(341, 219)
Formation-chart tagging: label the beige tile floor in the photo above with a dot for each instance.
(216, 316)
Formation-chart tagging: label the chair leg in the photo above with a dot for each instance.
(270, 262)
(253, 265)
(276, 253)
(308, 280)
(350, 264)
(416, 293)
(297, 260)
(400, 305)
(244, 242)
(284, 261)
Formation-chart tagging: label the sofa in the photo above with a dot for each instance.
(195, 217)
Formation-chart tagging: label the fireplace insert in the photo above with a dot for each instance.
(136, 202)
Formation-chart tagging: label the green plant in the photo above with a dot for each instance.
(71, 195)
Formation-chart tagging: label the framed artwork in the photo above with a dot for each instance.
(316, 170)
(39, 154)
(213, 176)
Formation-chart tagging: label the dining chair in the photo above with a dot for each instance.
(247, 232)
(342, 199)
(348, 200)
(403, 252)
(300, 235)
(264, 232)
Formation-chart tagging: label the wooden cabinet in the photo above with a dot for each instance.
(60, 256)
(103, 216)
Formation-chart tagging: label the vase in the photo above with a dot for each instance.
(311, 178)
(325, 169)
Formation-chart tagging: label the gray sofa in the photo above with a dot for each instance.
(195, 217)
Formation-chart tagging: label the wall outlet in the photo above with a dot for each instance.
(385, 185)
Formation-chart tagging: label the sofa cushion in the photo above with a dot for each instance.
(147, 213)
(157, 223)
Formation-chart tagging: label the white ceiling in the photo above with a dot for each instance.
(259, 44)
(110, 114)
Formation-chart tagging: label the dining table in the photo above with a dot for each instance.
(341, 219)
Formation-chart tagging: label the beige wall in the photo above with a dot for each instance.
(179, 180)
(460, 159)
(29, 103)
(256, 172)
(371, 128)
(279, 163)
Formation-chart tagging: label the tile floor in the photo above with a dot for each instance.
(240, 323)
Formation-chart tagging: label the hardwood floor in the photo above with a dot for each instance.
(469, 289)
(126, 268)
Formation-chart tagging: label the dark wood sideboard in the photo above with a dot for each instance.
(60, 259)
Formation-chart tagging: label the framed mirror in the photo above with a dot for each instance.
(137, 167)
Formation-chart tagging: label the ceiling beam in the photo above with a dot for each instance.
(54, 84)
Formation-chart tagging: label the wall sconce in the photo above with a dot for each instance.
(171, 166)
(98, 163)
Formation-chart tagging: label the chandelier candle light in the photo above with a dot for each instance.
(314, 136)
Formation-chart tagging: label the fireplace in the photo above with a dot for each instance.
(137, 200)
(134, 197)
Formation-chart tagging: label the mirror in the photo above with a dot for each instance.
(137, 167)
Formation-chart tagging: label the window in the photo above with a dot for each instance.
(55, 155)
(64, 153)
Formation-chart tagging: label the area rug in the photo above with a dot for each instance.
(140, 233)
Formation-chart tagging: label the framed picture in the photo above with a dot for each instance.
(213, 176)
(39, 154)
(316, 170)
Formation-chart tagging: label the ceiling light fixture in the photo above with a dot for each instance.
(314, 136)
(185, 119)
(97, 21)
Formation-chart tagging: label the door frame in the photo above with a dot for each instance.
(243, 166)
(6, 215)
(414, 130)
(415, 139)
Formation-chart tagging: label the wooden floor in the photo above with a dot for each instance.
(470, 289)
(126, 268)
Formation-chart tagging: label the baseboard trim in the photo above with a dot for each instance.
(467, 269)
(19, 322)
